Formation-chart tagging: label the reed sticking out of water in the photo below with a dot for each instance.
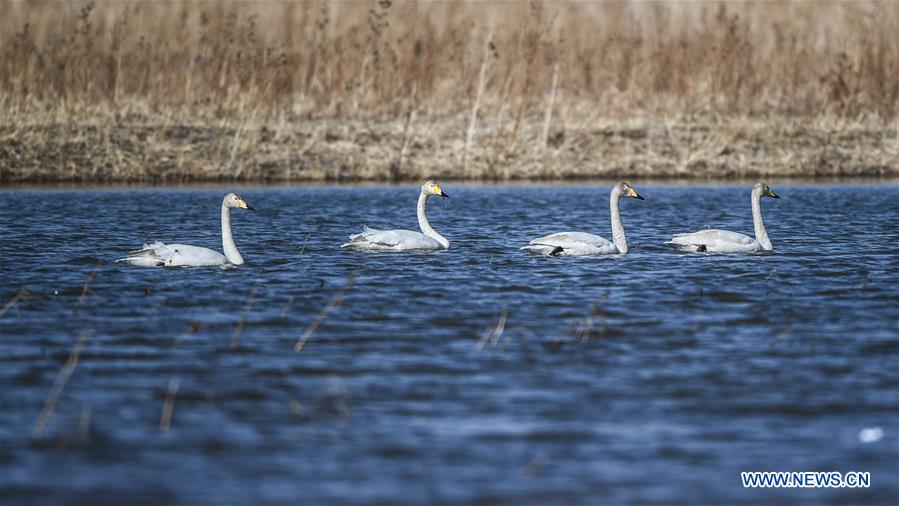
(493, 334)
(21, 294)
(336, 300)
(168, 405)
(286, 308)
(85, 290)
(243, 318)
(59, 383)
(189, 331)
(84, 421)
(585, 329)
(148, 290)
(303, 247)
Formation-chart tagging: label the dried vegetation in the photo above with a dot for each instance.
(145, 91)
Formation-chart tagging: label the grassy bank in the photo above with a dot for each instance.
(339, 150)
(140, 91)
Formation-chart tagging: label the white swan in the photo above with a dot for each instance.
(584, 244)
(404, 240)
(157, 254)
(725, 241)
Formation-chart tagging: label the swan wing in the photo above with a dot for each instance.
(158, 254)
(373, 239)
(571, 244)
(716, 241)
(151, 254)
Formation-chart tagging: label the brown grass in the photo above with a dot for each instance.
(211, 90)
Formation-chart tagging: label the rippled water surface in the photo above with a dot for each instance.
(478, 375)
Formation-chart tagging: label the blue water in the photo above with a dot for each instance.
(653, 378)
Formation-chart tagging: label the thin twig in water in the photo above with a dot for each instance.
(84, 422)
(866, 276)
(583, 330)
(23, 292)
(303, 248)
(191, 329)
(493, 334)
(61, 379)
(335, 301)
(168, 406)
(243, 318)
(286, 307)
(85, 290)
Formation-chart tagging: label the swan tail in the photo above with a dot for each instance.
(687, 246)
(146, 247)
(359, 240)
(543, 249)
(144, 257)
(142, 261)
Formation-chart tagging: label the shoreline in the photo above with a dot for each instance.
(155, 152)
(225, 184)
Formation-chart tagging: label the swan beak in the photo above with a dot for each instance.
(633, 193)
(251, 208)
(443, 194)
(638, 197)
(772, 194)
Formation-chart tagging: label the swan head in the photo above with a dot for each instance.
(234, 200)
(764, 190)
(627, 191)
(433, 188)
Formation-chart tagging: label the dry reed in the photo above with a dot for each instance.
(21, 294)
(493, 334)
(168, 405)
(49, 409)
(235, 338)
(336, 300)
(258, 90)
(85, 290)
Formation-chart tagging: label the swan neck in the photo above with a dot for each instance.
(761, 235)
(423, 224)
(618, 236)
(228, 245)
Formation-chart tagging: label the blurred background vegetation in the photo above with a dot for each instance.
(489, 82)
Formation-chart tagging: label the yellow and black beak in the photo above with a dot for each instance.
(633, 193)
(439, 191)
(247, 206)
(772, 194)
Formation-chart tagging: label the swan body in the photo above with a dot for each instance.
(571, 244)
(725, 241)
(374, 239)
(717, 241)
(584, 244)
(404, 240)
(158, 254)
